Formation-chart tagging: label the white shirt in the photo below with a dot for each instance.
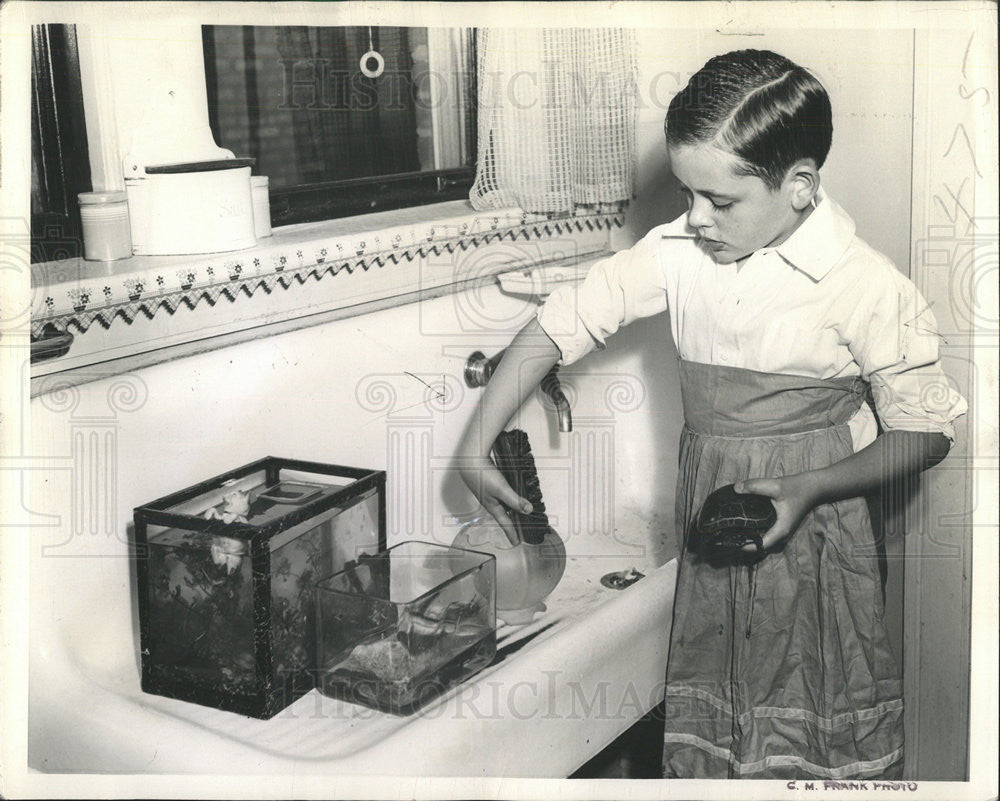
(823, 304)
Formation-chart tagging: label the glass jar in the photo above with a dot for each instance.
(526, 572)
(261, 206)
(106, 232)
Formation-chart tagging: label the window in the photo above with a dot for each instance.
(345, 120)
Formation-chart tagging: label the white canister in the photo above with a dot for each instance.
(192, 207)
(106, 233)
(261, 206)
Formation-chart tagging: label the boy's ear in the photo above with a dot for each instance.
(803, 183)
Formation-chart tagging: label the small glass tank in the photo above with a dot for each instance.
(398, 629)
(226, 573)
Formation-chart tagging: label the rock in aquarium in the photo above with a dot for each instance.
(226, 572)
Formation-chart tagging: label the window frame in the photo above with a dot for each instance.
(349, 198)
(109, 127)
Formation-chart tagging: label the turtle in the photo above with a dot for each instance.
(729, 521)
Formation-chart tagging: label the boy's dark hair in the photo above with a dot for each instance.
(761, 107)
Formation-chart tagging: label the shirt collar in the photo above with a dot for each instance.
(819, 243)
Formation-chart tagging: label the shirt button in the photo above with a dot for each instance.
(724, 356)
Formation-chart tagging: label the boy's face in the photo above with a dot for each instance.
(734, 215)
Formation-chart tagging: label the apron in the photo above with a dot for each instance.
(782, 669)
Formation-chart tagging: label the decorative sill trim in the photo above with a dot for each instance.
(74, 295)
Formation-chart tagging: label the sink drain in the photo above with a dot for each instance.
(621, 579)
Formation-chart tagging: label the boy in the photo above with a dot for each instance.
(779, 665)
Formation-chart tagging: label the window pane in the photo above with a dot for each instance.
(296, 99)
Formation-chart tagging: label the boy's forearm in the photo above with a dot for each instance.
(525, 362)
(889, 458)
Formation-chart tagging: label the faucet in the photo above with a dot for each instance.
(550, 386)
(479, 370)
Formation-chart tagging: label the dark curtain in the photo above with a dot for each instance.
(60, 162)
(343, 123)
(333, 141)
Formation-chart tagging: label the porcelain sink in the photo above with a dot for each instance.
(560, 689)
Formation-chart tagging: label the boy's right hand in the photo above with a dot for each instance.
(494, 493)
(530, 355)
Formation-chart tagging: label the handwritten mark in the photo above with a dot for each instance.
(439, 393)
(968, 144)
(918, 324)
(957, 204)
(962, 91)
(736, 33)
(394, 411)
(965, 61)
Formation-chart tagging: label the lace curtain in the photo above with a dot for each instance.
(556, 119)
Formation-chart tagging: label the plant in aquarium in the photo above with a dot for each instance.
(203, 611)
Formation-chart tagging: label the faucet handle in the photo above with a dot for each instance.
(479, 369)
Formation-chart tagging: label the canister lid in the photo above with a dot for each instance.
(91, 198)
(199, 166)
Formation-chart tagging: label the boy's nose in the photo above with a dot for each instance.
(698, 216)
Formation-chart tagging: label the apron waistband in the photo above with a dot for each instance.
(737, 402)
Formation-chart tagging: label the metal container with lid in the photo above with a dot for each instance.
(190, 207)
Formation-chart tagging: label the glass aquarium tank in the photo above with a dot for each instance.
(398, 629)
(226, 573)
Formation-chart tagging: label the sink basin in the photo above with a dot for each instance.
(560, 689)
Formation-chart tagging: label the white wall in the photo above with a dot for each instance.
(868, 74)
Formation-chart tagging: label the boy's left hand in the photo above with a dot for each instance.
(792, 497)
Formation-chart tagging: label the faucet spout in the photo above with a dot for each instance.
(550, 386)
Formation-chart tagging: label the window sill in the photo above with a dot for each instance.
(139, 311)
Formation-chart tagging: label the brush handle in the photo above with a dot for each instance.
(512, 456)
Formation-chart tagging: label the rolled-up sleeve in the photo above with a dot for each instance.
(617, 290)
(894, 338)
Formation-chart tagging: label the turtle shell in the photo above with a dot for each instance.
(729, 521)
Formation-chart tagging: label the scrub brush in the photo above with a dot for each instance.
(512, 456)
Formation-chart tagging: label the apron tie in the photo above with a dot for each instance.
(752, 573)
